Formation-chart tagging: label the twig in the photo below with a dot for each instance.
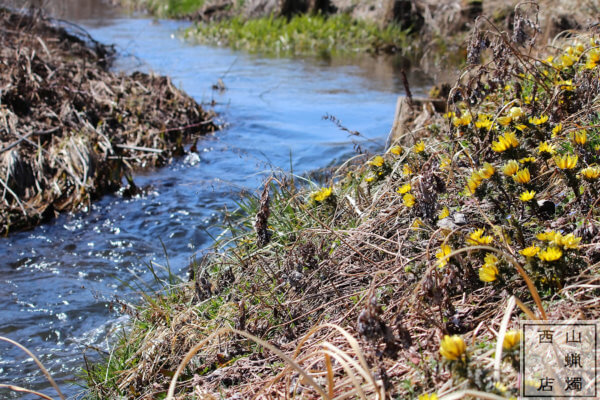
(14, 195)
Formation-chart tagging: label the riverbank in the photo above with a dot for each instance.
(72, 130)
(472, 220)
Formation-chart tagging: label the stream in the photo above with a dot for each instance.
(58, 281)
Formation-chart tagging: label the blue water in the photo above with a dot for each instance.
(58, 280)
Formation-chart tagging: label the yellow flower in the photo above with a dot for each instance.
(522, 176)
(419, 147)
(407, 170)
(538, 121)
(505, 142)
(377, 161)
(521, 127)
(567, 60)
(449, 115)
(527, 195)
(477, 237)
(566, 85)
(527, 160)
(510, 168)
(504, 121)
(557, 129)
(593, 59)
(566, 161)
(547, 236)
(550, 254)
(416, 224)
(452, 347)
(490, 259)
(321, 194)
(441, 255)
(370, 177)
(487, 171)
(426, 396)
(530, 251)
(591, 173)
(580, 137)
(512, 339)
(444, 213)
(515, 113)
(409, 200)
(396, 150)
(404, 188)
(474, 181)
(545, 147)
(567, 242)
(463, 120)
(483, 121)
(488, 273)
(502, 388)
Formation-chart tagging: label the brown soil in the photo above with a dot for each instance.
(70, 129)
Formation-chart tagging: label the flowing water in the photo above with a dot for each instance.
(58, 280)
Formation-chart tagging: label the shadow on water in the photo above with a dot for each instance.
(58, 280)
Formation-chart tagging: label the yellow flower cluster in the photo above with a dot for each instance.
(477, 238)
(550, 254)
(477, 177)
(377, 161)
(505, 142)
(538, 120)
(464, 120)
(321, 194)
(483, 121)
(404, 188)
(452, 347)
(426, 396)
(489, 271)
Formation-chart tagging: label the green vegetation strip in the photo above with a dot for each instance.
(301, 34)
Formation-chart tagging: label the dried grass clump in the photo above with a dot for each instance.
(487, 215)
(69, 128)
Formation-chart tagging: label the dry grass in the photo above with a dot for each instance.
(70, 129)
(352, 290)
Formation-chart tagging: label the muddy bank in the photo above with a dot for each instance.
(71, 130)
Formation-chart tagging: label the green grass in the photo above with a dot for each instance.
(167, 8)
(302, 34)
